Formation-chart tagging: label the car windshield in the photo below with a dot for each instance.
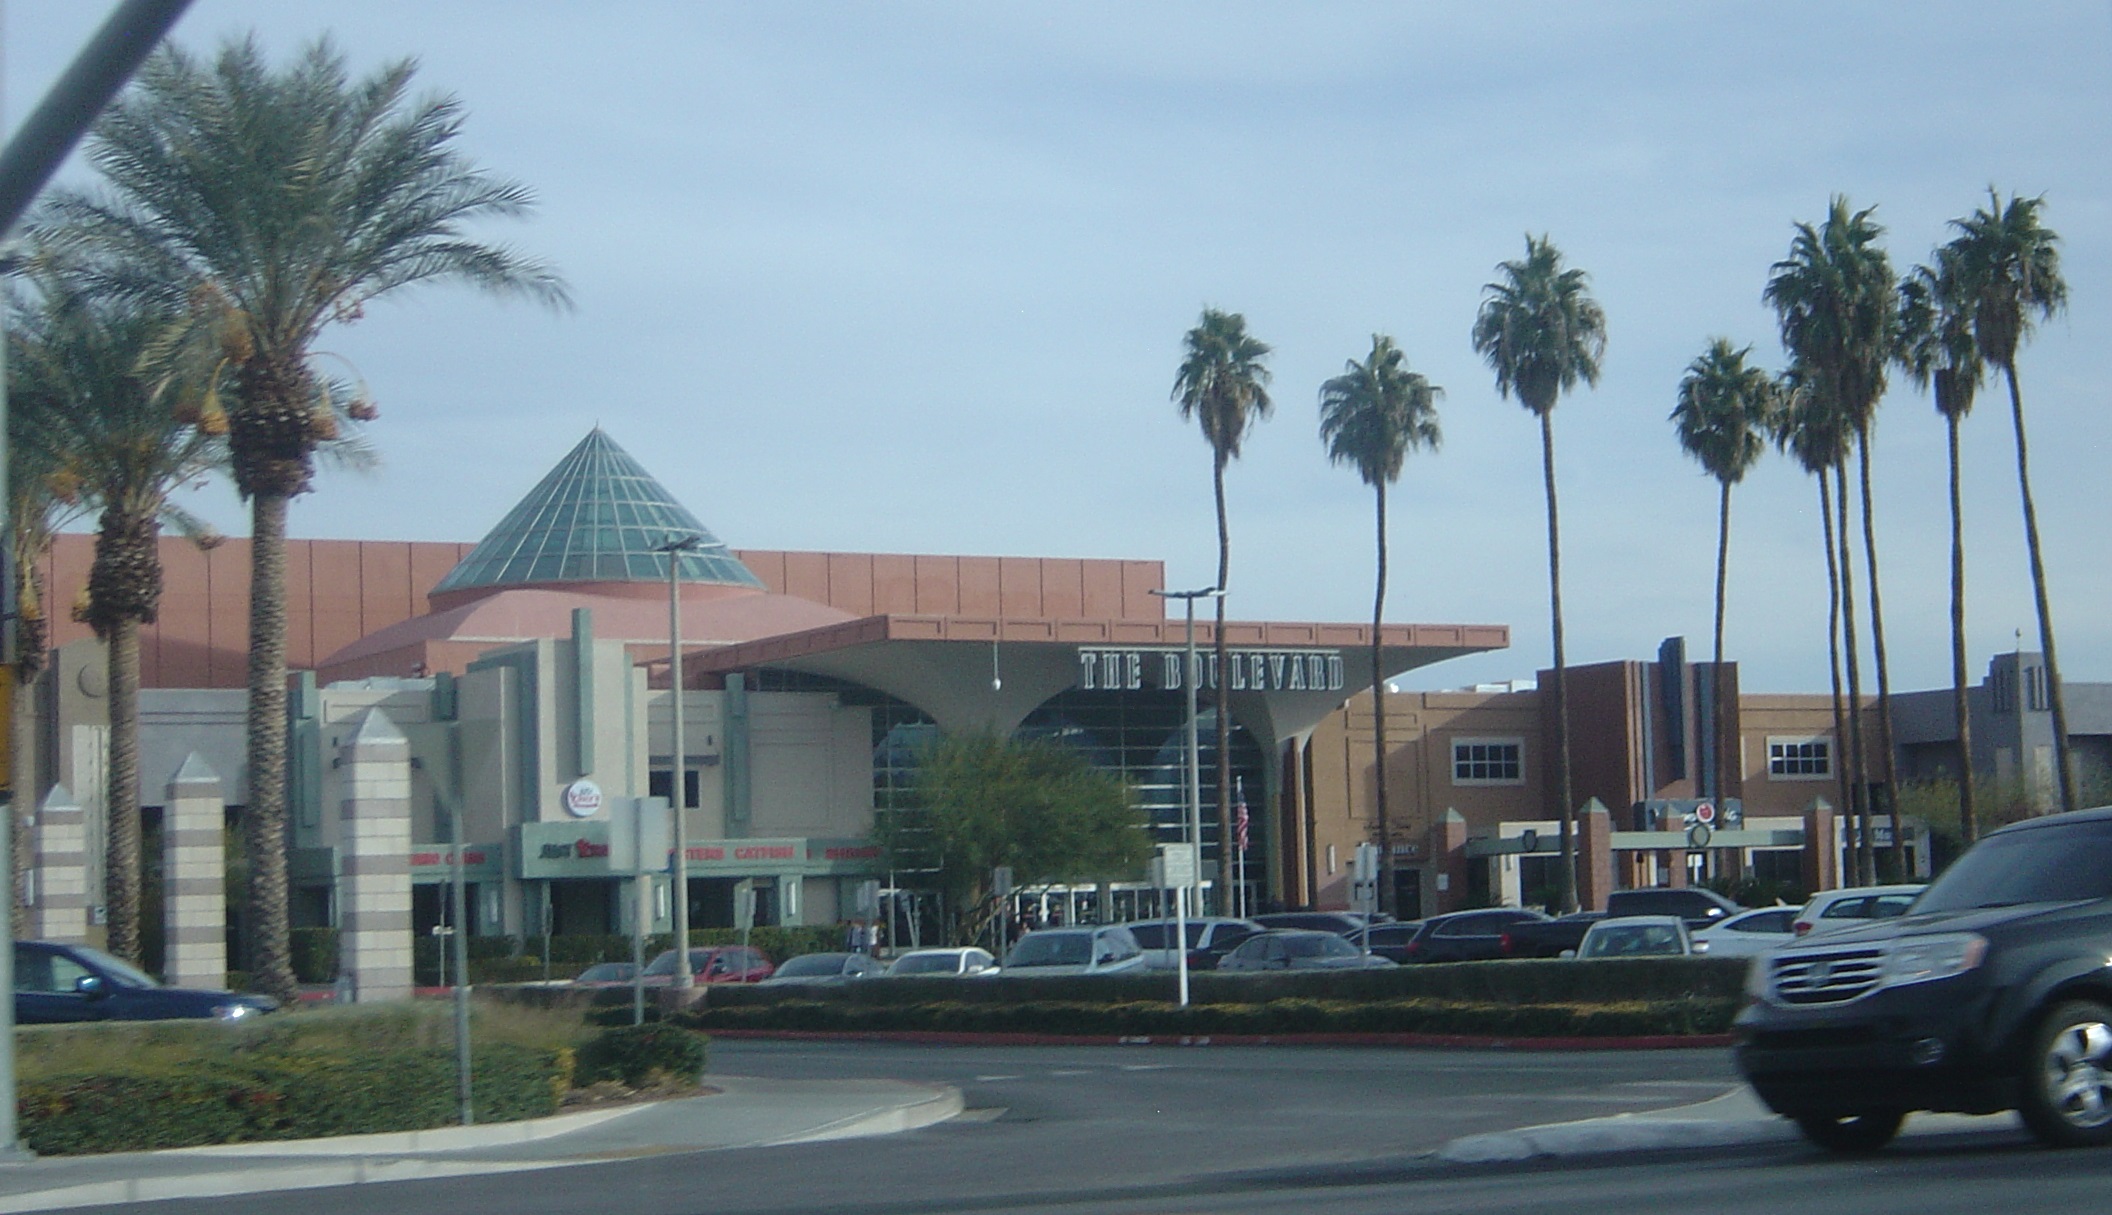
(1160, 935)
(1319, 946)
(665, 963)
(606, 972)
(1631, 940)
(924, 964)
(1052, 949)
(811, 965)
(2054, 864)
(122, 971)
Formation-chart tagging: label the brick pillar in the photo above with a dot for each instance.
(194, 882)
(1675, 861)
(59, 840)
(1594, 856)
(1821, 862)
(1451, 860)
(374, 841)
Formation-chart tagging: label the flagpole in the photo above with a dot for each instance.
(1239, 850)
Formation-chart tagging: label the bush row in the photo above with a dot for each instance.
(1637, 1017)
(511, 959)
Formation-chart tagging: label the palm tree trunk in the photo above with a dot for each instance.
(1225, 842)
(1723, 564)
(1566, 873)
(1961, 709)
(1858, 790)
(2055, 698)
(1833, 650)
(1378, 714)
(1877, 653)
(121, 792)
(271, 963)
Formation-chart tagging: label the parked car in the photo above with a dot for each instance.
(1749, 933)
(942, 963)
(1320, 921)
(1466, 936)
(1547, 938)
(56, 983)
(822, 970)
(1084, 950)
(1637, 936)
(1208, 940)
(606, 974)
(1848, 908)
(711, 964)
(1299, 949)
(1698, 906)
(1389, 941)
(1991, 993)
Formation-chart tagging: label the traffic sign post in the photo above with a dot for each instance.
(1174, 869)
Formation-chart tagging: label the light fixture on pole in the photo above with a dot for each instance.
(678, 786)
(1191, 676)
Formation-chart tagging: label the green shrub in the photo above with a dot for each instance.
(639, 1055)
(314, 954)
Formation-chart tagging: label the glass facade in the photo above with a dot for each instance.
(596, 517)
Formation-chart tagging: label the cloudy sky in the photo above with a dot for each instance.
(912, 277)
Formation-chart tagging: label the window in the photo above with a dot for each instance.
(1488, 761)
(1799, 758)
(660, 782)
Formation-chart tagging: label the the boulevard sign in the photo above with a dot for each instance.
(1251, 670)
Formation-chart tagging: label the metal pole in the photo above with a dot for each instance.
(458, 898)
(641, 911)
(679, 790)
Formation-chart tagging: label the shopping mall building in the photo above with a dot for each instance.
(526, 680)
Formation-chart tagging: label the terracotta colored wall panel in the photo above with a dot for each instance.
(807, 576)
(1062, 588)
(938, 585)
(1019, 587)
(385, 594)
(227, 592)
(851, 582)
(1139, 579)
(980, 595)
(894, 584)
(300, 604)
(770, 567)
(1101, 590)
(429, 564)
(333, 572)
(176, 651)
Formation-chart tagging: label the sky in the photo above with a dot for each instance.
(913, 277)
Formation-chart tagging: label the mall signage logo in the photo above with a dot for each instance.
(1251, 670)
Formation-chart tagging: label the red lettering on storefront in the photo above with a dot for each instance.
(869, 852)
(588, 849)
(774, 852)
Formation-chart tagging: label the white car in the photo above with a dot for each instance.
(1749, 933)
(1637, 936)
(1085, 950)
(942, 963)
(1209, 939)
(1853, 907)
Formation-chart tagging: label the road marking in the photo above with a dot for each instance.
(1073, 1071)
(993, 1079)
(1147, 1067)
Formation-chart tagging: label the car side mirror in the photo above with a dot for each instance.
(1105, 958)
(91, 986)
(1569, 953)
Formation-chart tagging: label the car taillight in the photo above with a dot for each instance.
(1412, 947)
(1504, 943)
(1800, 927)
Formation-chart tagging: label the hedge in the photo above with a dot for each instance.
(296, 1094)
(1687, 1015)
(639, 1055)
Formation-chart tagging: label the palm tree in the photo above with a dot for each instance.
(1371, 417)
(1541, 332)
(1936, 347)
(1724, 413)
(1223, 385)
(2009, 270)
(1811, 431)
(1836, 298)
(129, 445)
(270, 205)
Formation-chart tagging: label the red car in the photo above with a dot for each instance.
(712, 964)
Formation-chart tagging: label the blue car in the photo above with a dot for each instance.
(57, 983)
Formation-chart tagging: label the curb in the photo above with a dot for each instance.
(1451, 1041)
(434, 1139)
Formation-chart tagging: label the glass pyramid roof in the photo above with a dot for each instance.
(596, 517)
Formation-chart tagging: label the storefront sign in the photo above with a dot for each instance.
(572, 850)
(1249, 670)
(583, 798)
(436, 862)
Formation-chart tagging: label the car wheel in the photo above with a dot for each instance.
(2067, 1090)
(1852, 1134)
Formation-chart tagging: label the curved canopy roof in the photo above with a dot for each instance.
(596, 517)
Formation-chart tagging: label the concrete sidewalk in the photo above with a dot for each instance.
(744, 1112)
(1736, 1119)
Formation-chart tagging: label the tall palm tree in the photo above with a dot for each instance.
(1371, 417)
(1724, 414)
(1936, 347)
(2009, 270)
(271, 204)
(1836, 298)
(1223, 384)
(123, 436)
(1541, 332)
(1811, 431)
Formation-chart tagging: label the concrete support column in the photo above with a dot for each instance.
(1821, 862)
(194, 881)
(59, 839)
(374, 891)
(1451, 860)
(1594, 856)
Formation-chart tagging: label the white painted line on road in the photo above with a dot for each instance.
(1147, 1067)
(995, 1079)
(1073, 1071)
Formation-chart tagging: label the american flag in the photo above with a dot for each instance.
(1239, 818)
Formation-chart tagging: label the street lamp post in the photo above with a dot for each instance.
(678, 791)
(1190, 676)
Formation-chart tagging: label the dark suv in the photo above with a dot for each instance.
(1993, 992)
